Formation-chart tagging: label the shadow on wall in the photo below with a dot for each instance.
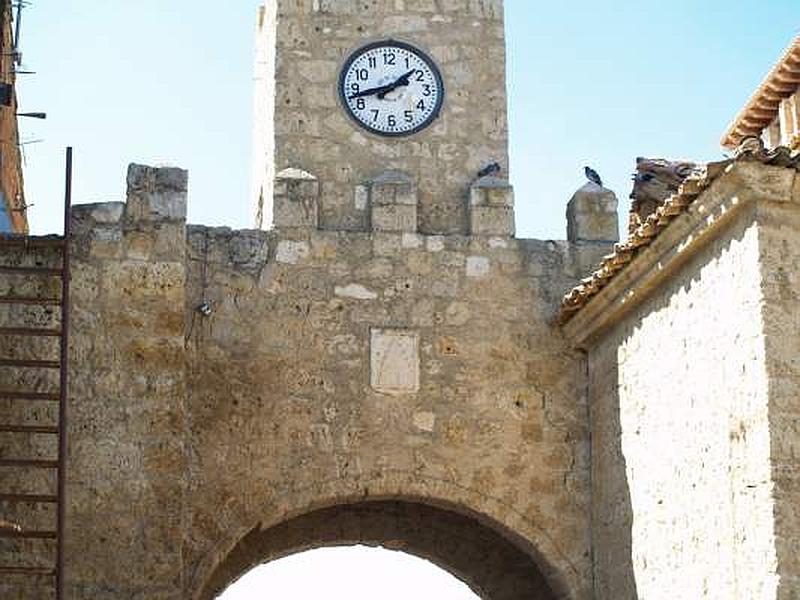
(491, 564)
(612, 512)
(680, 434)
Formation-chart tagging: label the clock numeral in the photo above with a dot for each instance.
(378, 69)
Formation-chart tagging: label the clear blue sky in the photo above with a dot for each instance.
(594, 83)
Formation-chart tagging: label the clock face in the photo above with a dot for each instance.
(391, 88)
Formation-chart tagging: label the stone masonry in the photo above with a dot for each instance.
(389, 365)
(300, 124)
(692, 354)
(224, 381)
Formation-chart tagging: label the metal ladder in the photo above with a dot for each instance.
(24, 503)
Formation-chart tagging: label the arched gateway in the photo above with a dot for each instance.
(379, 367)
(493, 563)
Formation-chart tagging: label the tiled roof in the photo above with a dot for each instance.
(762, 108)
(751, 149)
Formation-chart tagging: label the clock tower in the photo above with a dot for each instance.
(350, 90)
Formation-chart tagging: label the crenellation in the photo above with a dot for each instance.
(491, 207)
(309, 128)
(296, 202)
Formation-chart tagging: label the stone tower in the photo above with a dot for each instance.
(301, 121)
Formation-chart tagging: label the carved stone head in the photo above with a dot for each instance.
(655, 180)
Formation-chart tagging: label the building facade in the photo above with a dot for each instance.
(389, 365)
(13, 216)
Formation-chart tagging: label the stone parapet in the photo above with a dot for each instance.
(491, 207)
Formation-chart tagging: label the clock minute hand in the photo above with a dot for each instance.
(401, 81)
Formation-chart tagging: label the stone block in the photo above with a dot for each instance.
(491, 207)
(296, 195)
(394, 218)
(492, 220)
(592, 215)
(156, 194)
(394, 361)
(393, 203)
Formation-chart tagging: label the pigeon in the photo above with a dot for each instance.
(592, 176)
(491, 169)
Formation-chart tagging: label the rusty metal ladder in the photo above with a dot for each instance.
(53, 574)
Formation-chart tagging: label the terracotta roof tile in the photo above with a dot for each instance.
(762, 107)
(751, 149)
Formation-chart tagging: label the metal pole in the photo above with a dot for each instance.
(17, 28)
(63, 382)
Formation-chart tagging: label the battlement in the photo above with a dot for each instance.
(382, 361)
(390, 203)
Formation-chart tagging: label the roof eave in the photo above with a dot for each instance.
(780, 78)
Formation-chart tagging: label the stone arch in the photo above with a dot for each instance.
(494, 562)
(494, 556)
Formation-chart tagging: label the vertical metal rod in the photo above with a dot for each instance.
(17, 28)
(63, 382)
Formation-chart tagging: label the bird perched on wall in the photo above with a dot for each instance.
(491, 169)
(592, 176)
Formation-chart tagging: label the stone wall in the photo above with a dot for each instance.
(779, 252)
(127, 442)
(337, 367)
(693, 402)
(312, 132)
(223, 382)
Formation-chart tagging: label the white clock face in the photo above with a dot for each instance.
(391, 88)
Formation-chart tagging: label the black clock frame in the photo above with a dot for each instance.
(397, 44)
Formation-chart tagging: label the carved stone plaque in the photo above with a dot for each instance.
(394, 361)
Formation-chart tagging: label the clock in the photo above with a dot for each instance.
(391, 88)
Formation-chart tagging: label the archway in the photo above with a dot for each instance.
(348, 573)
(492, 562)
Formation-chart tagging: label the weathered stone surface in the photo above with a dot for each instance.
(491, 207)
(300, 120)
(225, 379)
(393, 198)
(394, 361)
(693, 403)
(296, 199)
(592, 215)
